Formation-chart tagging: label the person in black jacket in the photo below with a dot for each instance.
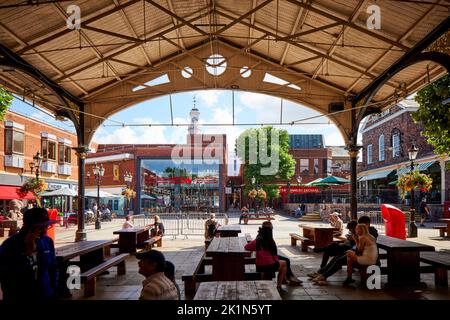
(28, 268)
(339, 260)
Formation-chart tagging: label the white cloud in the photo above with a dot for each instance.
(132, 135)
(209, 98)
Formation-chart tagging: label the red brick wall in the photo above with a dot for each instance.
(33, 131)
(410, 133)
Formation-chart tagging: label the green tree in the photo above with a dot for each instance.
(5, 102)
(434, 115)
(251, 143)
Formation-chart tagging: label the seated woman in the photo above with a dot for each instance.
(158, 228)
(266, 255)
(366, 246)
(128, 222)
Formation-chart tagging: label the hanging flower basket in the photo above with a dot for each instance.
(252, 193)
(262, 194)
(409, 181)
(34, 186)
(129, 193)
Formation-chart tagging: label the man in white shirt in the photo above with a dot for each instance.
(156, 285)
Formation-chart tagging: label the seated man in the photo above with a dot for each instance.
(336, 222)
(298, 211)
(156, 285)
(244, 212)
(158, 227)
(336, 249)
(211, 226)
(338, 261)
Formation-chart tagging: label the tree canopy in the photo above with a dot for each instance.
(5, 102)
(434, 114)
(254, 143)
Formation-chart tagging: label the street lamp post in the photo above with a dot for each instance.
(98, 173)
(36, 164)
(412, 232)
(128, 177)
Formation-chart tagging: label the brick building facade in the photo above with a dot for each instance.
(149, 184)
(386, 139)
(21, 138)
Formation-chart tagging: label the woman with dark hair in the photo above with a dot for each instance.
(266, 255)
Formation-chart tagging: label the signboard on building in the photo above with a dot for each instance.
(299, 190)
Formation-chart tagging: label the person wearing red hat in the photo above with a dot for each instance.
(28, 268)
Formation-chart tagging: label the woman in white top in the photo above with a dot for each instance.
(366, 251)
(128, 223)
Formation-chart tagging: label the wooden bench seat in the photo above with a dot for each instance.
(441, 263)
(89, 276)
(149, 243)
(442, 230)
(190, 276)
(304, 240)
(258, 216)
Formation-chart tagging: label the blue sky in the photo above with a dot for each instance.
(215, 107)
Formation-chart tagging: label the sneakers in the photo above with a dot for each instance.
(319, 278)
(348, 281)
(293, 281)
(313, 275)
(281, 290)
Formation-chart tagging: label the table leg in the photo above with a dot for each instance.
(141, 237)
(403, 269)
(127, 242)
(91, 259)
(322, 238)
(228, 268)
(63, 291)
(448, 229)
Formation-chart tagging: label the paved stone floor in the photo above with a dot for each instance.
(181, 251)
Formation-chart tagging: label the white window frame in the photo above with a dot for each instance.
(394, 147)
(381, 148)
(369, 154)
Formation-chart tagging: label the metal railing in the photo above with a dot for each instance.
(140, 220)
(187, 224)
(376, 220)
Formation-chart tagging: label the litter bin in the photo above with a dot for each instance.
(52, 214)
(394, 221)
(446, 209)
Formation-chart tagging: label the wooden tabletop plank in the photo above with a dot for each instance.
(229, 228)
(207, 291)
(246, 290)
(316, 226)
(267, 290)
(73, 250)
(228, 245)
(131, 230)
(237, 290)
(389, 243)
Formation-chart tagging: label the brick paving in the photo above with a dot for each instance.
(181, 251)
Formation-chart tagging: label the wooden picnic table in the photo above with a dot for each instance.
(91, 254)
(320, 234)
(130, 238)
(237, 290)
(229, 230)
(228, 255)
(403, 260)
(447, 220)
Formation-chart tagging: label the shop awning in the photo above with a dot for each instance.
(12, 192)
(377, 175)
(420, 167)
